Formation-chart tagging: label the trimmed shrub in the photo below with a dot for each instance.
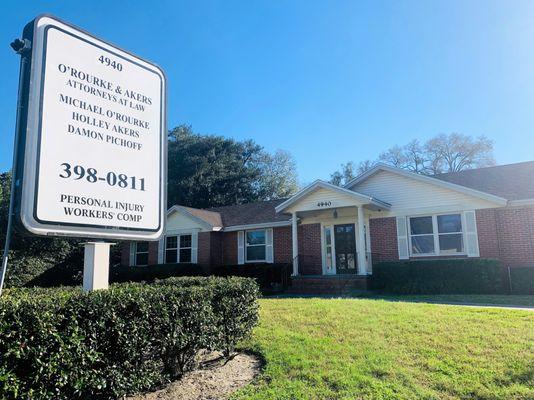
(234, 305)
(62, 343)
(270, 277)
(150, 273)
(452, 276)
(522, 280)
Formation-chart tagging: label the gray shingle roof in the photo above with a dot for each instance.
(250, 213)
(511, 181)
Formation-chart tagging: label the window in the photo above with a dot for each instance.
(422, 235)
(141, 253)
(255, 245)
(436, 235)
(185, 248)
(450, 234)
(178, 249)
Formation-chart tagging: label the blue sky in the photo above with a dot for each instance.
(329, 81)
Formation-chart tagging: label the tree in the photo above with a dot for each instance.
(278, 178)
(207, 170)
(350, 171)
(456, 152)
(444, 153)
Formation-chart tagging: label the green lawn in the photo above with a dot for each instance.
(482, 299)
(376, 349)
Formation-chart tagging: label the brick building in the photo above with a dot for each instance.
(384, 214)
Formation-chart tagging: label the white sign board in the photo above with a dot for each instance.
(95, 144)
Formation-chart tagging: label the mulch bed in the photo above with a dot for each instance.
(215, 380)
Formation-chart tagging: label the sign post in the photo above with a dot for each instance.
(96, 265)
(91, 153)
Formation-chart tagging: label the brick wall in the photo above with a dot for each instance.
(229, 248)
(153, 253)
(309, 238)
(204, 248)
(383, 232)
(507, 234)
(216, 250)
(282, 243)
(488, 240)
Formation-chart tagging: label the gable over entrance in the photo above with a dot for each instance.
(321, 195)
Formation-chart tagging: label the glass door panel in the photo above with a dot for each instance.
(345, 245)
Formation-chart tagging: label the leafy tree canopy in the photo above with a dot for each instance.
(208, 171)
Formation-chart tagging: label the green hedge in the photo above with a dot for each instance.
(150, 273)
(453, 276)
(65, 344)
(270, 277)
(522, 280)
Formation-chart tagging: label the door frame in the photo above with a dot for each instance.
(331, 223)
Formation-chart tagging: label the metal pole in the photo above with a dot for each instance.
(21, 47)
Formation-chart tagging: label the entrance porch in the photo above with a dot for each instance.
(330, 231)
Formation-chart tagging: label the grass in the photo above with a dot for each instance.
(482, 299)
(376, 349)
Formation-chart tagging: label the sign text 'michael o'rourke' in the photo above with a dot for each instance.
(95, 141)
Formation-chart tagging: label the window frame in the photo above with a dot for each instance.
(178, 248)
(246, 245)
(436, 234)
(136, 253)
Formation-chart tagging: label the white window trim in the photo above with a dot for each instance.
(436, 234)
(177, 248)
(255, 245)
(135, 253)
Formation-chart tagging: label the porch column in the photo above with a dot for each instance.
(294, 239)
(360, 244)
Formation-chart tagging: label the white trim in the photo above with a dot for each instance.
(194, 247)
(262, 225)
(427, 179)
(318, 184)
(295, 244)
(403, 246)
(360, 243)
(269, 245)
(161, 249)
(240, 247)
(522, 202)
(330, 227)
(470, 233)
(131, 260)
